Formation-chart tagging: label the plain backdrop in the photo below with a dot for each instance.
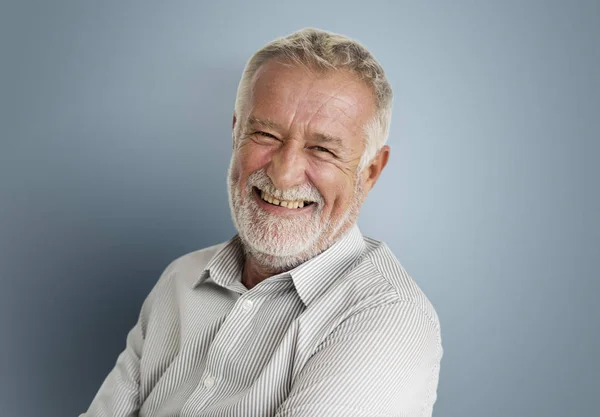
(115, 138)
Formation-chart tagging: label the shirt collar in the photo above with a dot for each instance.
(225, 268)
(311, 279)
(314, 276)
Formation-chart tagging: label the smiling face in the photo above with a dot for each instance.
(294, 185)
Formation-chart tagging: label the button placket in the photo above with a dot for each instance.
(241, 314)
(208, 381)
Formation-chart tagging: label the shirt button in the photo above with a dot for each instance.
(247, 305)
(209, 381)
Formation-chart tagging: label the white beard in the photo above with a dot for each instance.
(279, 242)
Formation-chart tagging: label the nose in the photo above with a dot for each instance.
(287, 167)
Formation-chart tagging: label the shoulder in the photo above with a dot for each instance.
(187, 268)
(197, 260)
(381, 270)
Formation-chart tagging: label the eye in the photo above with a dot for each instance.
(267, 135)
(322, 149)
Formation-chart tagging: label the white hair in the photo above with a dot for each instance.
(319, 49)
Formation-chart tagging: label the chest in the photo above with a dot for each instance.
(207, 347)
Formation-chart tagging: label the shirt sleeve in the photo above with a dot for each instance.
(381, 362)
(119, 394)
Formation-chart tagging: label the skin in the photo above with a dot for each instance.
(306, 126)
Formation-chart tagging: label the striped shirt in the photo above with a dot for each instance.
(347, 333)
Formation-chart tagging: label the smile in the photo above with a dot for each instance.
(296, 204)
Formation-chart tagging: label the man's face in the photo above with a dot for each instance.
(301, 140)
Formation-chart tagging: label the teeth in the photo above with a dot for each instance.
(288, 204)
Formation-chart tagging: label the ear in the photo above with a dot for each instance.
(373, 170)
(233, 130)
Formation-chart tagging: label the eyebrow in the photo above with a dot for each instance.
(255, 121)
(334, 141)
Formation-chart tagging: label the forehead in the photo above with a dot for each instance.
(299, 97)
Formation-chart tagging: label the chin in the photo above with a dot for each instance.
(259, 241)
(276, 262)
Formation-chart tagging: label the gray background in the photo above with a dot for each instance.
(115, 139)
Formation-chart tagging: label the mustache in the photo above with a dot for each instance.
(305, 192)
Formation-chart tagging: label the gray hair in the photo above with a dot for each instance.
(324, 50)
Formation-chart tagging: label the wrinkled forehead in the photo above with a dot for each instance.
(292, 93)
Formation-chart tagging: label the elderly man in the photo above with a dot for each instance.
(298, 314)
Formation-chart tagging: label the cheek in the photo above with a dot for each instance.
(336, 187)
(249, 159)
(252, 157)
(234, 172)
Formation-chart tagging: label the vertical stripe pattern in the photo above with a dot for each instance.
(348, 333)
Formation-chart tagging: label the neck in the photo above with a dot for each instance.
(258, 267)
(254, 272)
